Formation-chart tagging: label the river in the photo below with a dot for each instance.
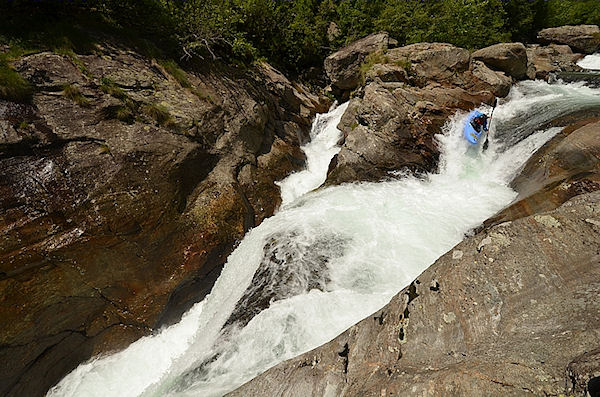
(331, 256)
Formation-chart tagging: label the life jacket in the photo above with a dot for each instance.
(479, 122)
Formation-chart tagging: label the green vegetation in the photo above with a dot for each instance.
(122, 113)
(73, 93)
(158, 113)
(371, 60)
(109, 87)
(129, 110)
(13, 87)
(174, 70)
(104, 149)
(293, 34)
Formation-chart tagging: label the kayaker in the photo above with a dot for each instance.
(480, 122)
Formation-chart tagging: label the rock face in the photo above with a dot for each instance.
(122, 191)
(581, 38)
(543, 60)
(408, 95)
(343, 67)
(568, 165)
(510, 311)
(510, 58)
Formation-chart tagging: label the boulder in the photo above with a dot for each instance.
(509, 311)
(343, 66)
(408, 94)
(498, 82)
(510, 58)
(379, 138)
(581, 38)
(432, 61)
(544, 60)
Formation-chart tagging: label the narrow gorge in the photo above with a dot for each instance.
(229, 230)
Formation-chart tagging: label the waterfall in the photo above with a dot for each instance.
(330, 257)
(321, 148)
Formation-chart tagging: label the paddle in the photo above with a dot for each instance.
(485, 144)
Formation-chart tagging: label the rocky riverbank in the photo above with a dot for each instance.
(124, 185)
(512, 310)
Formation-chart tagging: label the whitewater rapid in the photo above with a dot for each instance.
(330, 257)
(590, 62)
(319, 151)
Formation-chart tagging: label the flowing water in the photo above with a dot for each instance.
(324, 137)
(590, 62)
(331, 257)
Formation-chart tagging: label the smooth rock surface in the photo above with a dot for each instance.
(510, 58)
(566, 166)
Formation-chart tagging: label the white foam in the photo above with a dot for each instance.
(319, 151)
(590, 62)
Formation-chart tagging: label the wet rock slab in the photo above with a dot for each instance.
(566, 166)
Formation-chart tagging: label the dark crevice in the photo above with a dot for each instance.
(411, 292)
(23, 269)
(33, 147)
(380, 318)
(412, 295)
(27, 343)
(249, 221)
(40, 357)
(593, 387)
(191, 171)
(435, 287)
(509, 385)
(250, 215)
(195, 288)
(344, 354)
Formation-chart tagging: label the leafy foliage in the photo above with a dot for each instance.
(292, 34)
(559, 12)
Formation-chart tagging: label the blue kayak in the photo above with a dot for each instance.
(471, 134)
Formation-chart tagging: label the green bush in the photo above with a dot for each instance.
(371, 60)
(572, 12)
